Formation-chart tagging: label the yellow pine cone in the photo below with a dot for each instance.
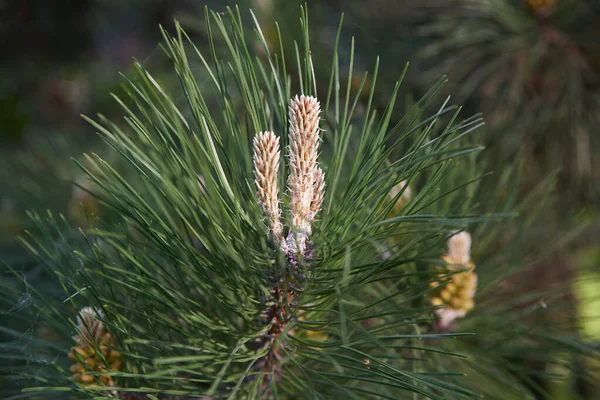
(93, 352)
(456, 297)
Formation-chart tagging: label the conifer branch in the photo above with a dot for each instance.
(306, 184)
(200, 306)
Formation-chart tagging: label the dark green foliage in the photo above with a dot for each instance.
(181, 266)
(533, 72)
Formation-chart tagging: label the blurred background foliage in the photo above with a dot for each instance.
(532, 67)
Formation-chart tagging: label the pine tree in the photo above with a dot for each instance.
(532, 67)
(222, 268)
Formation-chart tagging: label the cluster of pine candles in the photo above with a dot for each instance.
(96, 352)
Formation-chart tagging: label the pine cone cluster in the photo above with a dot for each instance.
(458, 292)
(454, 292)
(94, 352)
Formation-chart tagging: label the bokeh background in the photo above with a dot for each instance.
(531, 66)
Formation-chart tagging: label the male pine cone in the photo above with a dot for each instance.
(455, 298)
(94, 352)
